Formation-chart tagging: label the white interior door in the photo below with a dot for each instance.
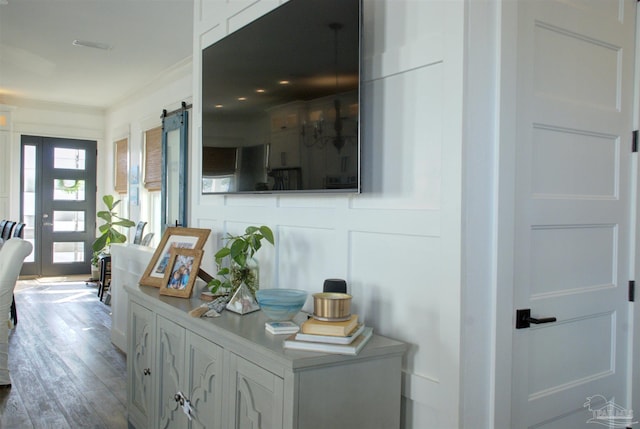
(572, 210)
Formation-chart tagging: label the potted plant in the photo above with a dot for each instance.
(235, 261)
(108, 232)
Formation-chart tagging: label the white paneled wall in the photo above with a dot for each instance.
(398, 244)
(5, 148)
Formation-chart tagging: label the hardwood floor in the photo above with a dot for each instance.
(65, 371)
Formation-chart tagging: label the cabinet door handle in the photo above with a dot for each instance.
(146, 371)
(184, 403)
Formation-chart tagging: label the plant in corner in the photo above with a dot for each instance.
(235, 261)
(108, 232)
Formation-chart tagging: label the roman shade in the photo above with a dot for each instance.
(153, 159)
(218, 161)
(121, 165)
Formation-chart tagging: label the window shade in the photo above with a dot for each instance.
(218, 161)
(153, 159)
(122, 166)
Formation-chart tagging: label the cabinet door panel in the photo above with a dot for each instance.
(140, 368)
(171, 346)
(204, 363)
(258, 396)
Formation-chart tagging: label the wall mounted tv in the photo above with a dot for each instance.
(281, 102)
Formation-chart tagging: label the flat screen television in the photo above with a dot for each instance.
(281, 102)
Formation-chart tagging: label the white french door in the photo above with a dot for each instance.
(572, 236)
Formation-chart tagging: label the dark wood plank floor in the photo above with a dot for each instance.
(64, 369)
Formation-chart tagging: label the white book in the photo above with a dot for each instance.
(283, 327)
(343, 349)
(331, 339)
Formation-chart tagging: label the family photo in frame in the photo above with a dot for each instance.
(181, 272)
(174, 238)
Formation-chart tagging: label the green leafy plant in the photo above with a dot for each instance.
(234, 260)
(108, 230)
(69, 189)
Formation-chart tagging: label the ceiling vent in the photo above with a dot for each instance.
(88, 44)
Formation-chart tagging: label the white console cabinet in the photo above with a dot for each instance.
(236, 375)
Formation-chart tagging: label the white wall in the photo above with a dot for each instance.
(5, 161)
(130, 119)
(398, 244)
(480, 160)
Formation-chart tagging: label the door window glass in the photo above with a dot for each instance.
(71, 159)
(29, 195)
(68, 251)
(64, 220)
(68, 190)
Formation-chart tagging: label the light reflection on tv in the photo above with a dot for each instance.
(281, 102)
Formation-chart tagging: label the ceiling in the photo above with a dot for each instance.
(38, 60)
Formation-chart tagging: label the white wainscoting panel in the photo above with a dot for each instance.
(308, 256)
(5, 174)
(402, 142)
(398, 243)
(4, 208)
(396, 285)
(406, 35)
(5, 149)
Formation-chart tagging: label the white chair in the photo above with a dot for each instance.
(12, 256)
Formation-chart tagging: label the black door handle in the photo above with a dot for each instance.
(524, 319)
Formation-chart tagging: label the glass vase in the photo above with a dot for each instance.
(249, 274)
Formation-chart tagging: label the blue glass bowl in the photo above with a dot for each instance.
(281, 304)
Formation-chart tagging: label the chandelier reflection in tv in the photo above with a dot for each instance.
(319, 132)
(314, 132)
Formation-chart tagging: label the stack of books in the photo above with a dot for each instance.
(346, 337)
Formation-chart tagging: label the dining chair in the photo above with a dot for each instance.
(137, 238)
(146, 241)
(104, 283)
(12, 255)
(6, 231)
(18, 231)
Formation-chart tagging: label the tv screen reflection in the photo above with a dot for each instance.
(281, 102)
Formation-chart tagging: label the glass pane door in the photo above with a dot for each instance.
(58, 204)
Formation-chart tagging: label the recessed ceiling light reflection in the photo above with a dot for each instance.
(260, 91)
(242, 98)
(284, 82)
(219, 106)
